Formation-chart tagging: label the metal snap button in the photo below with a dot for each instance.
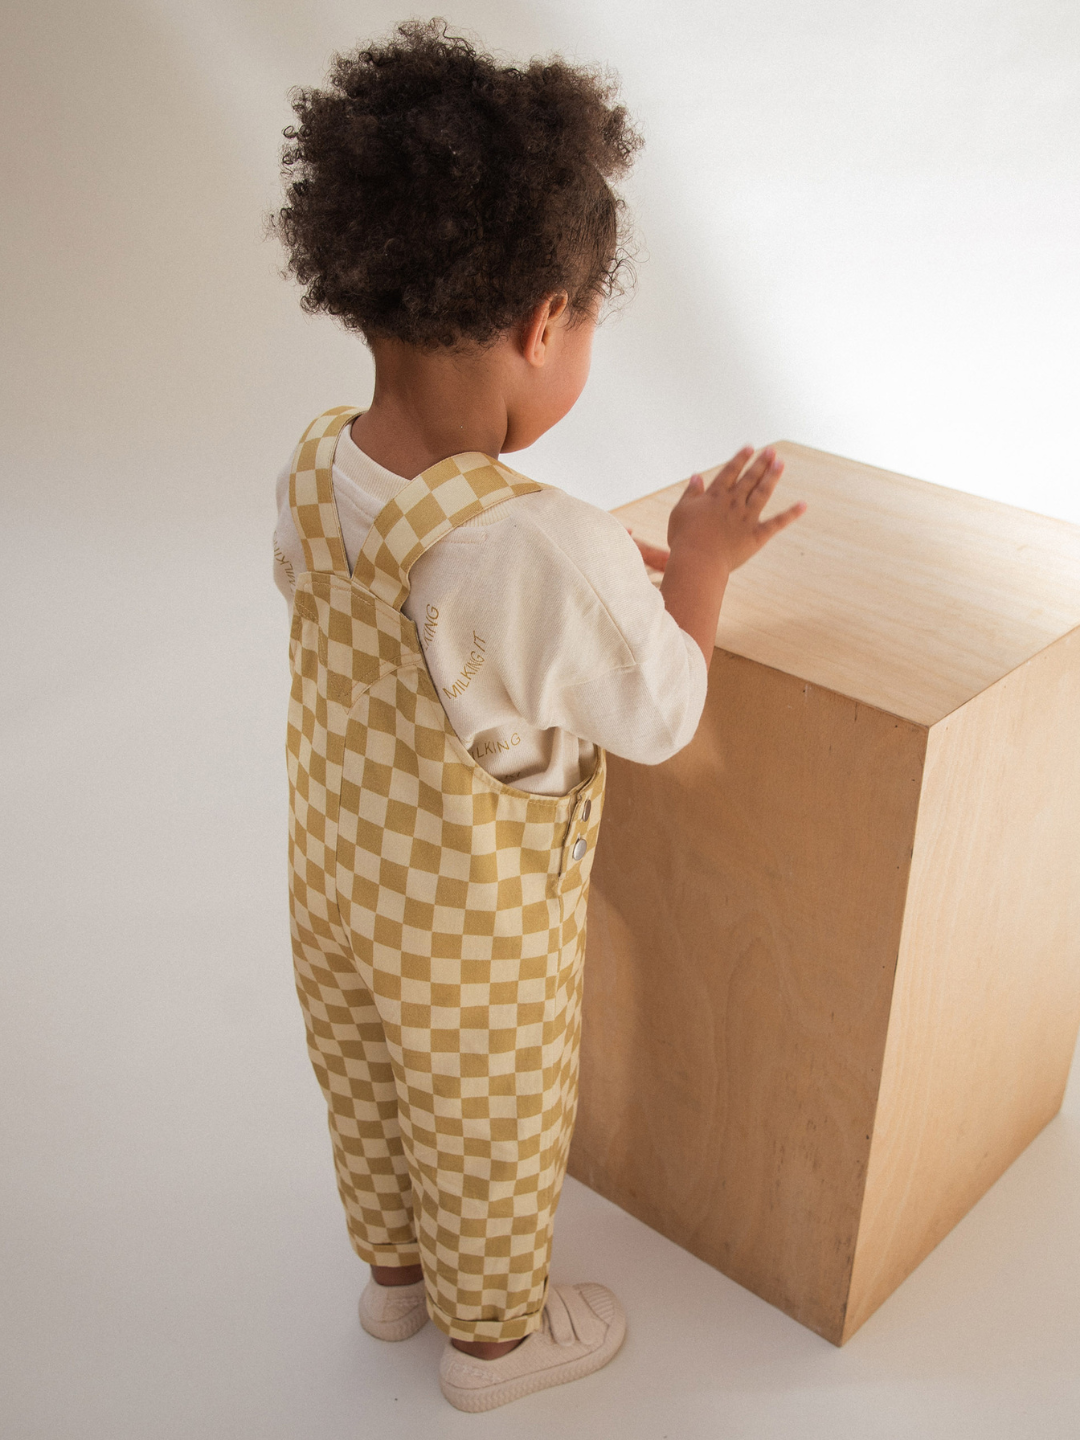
(580, 846)
(586, 810)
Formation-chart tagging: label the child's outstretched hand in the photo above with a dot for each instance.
(712, 531)
(725, 519)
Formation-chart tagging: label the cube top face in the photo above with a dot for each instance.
(897, 593)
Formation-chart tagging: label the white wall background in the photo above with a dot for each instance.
(859, 225)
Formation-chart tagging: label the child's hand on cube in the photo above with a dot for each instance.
(724, 519)
(712, 531)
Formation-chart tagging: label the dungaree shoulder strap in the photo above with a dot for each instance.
(429, 507)
(311, 492)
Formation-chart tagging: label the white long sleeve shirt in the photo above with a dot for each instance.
(542, 632)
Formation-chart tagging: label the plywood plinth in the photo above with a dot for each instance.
(833, 964)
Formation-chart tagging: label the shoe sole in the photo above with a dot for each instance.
(492, 1396)
(395, 1329)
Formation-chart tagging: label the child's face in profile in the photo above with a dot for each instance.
(559, 353)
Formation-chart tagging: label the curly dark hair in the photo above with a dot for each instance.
(436, 197)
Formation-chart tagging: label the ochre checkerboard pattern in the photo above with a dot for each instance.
(438, 923)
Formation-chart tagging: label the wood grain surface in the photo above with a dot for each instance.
(832, 985)
(744, 926)
(987, 1001)
(908, 596)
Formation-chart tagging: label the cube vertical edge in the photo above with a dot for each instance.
(987, 1002)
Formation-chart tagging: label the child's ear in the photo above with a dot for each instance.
(536, 331)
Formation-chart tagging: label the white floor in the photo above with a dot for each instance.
(175, 1261)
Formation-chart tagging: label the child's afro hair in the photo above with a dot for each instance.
(435, 196)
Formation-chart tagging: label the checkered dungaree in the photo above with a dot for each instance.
(438, 920)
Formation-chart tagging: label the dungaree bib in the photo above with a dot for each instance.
(438, 920)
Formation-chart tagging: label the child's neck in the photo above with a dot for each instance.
(427, 405)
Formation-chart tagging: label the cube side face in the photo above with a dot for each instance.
(746, 910)
(987, 1000)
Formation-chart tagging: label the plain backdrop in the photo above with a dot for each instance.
(857, 228)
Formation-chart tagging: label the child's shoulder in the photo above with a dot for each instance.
(581, 531)
(564, 555)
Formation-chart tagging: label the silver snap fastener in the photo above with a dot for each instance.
(580, 846)
(586, 810)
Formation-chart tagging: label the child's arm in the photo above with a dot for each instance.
(712, 532)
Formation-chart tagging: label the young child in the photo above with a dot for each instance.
(465, 646)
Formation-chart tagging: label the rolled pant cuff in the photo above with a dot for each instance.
(491, 1330)
(391, 1256)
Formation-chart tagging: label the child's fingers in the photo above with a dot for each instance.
(759, 494)
(694, 486)
(727, 476)
(655, 557)
(756, 473)
(768, 528)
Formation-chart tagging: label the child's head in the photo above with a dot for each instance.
(436, 198)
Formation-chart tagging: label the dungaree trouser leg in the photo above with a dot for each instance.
(438, 921)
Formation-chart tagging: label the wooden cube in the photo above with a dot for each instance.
(833, 965)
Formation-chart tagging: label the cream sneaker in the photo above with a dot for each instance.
(393, 1312)
(581, 1329)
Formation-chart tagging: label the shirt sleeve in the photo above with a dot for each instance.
(617, 669)
(645, 712)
